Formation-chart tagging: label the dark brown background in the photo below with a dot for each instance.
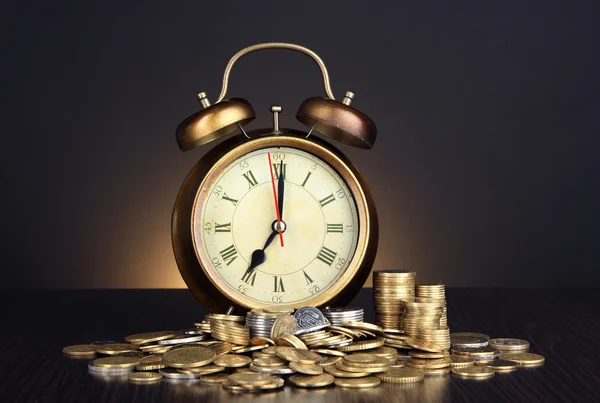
(485, 171)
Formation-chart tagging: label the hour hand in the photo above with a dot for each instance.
(259, 256)
(280, 188)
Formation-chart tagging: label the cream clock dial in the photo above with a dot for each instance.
(238, 216)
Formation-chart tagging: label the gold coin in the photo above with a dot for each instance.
(232, 361)
(426, 354)
(436, 371)
(243, 370)
(278, 309)
(338, 373)
(116, 362)
(143, 338)
(113, 349)
(289, 340)
(228, 318)
(205, 370)
(474, 372)
(144, 377)
(254, 379)
(367, 382)
(277, 383)
(331, 360)
(371, 370)
(363, 345)
(260, 340)
(475, 351)
(229, 385)
(525, 359)
(214, 378)
(327, 351)
(189, 357)
(421, 363)
(298, 355)
(270, 361)
(307, 369)
(401, 375)
(272, 350)
(221, 347)
(80, 350)
(424, 345)
(247, 349)
(317, 381)
(500, 365)
(458, 361)
(283, 324)
(365, 360)
(364, 326)
(150, 363)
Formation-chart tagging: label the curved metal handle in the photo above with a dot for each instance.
(276, 45)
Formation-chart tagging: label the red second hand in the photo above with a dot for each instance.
(275, 197)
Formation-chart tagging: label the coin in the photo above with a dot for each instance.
(474, 372)
(500, 365)
(366, 382)
(189, 357)
(143, 338)
(309, 316)
(283, 324)
(364, 326)
(476, 351)
(401, 375)
(298, 355)
(370, 370)
(289, 340)
(260, 341)
(467, 341)
(150, 363)
(232, 361)
(278, 370)
(525, 359)
(331, 360)
(204, 370)
(365, 360)
(80, 350)
(428, 363)
(316, 381)
(172, 373)
(426, 354)
(116, 362)
(509, 345)
(113, 349)
(308, 369)
(436, 371)
(469, 334)
(423, 345)
(338, 373)
(182, 339)
(363, 345)
(328, 352)
(458, 361)
(214, 378)
(337, 316)
(269, 361)
(109, 370)
(251, 379)
(144, 377)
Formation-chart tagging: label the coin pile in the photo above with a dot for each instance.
(337, 316)
(390, 289)
(307, 349)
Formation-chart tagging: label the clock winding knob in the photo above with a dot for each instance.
(276, 110)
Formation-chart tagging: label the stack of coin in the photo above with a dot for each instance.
(390, 288)
(434, 293)
(422, 320)
(204, 326)
(230, 331)
(430, 363)
(509, 345)
(260, 322)
(337, 316)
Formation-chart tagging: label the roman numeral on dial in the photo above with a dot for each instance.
(227, 227)
(327, 256)
(233, 201)
(251, 179)
(278, 284)
(327, 200)
(307, 278)
(249, 278)
(306, 179)
(229, 254)
(339, 228)
(277, 171)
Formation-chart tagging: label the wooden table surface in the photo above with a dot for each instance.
(561, 324)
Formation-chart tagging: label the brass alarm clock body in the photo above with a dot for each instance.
(275, 216)
(225, 210)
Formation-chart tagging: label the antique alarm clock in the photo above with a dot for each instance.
(275, 216)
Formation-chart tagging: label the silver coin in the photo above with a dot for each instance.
(458, 340)
(309, 316)
(193, 332)
(107, 370)
(182, 340)
(272, 370)
(509, 343)
(172, 373)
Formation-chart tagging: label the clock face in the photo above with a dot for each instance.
(238, 215)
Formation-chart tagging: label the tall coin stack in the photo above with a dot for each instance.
(433, 292)
(423, 317)
(390, 289)
(337, 316)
